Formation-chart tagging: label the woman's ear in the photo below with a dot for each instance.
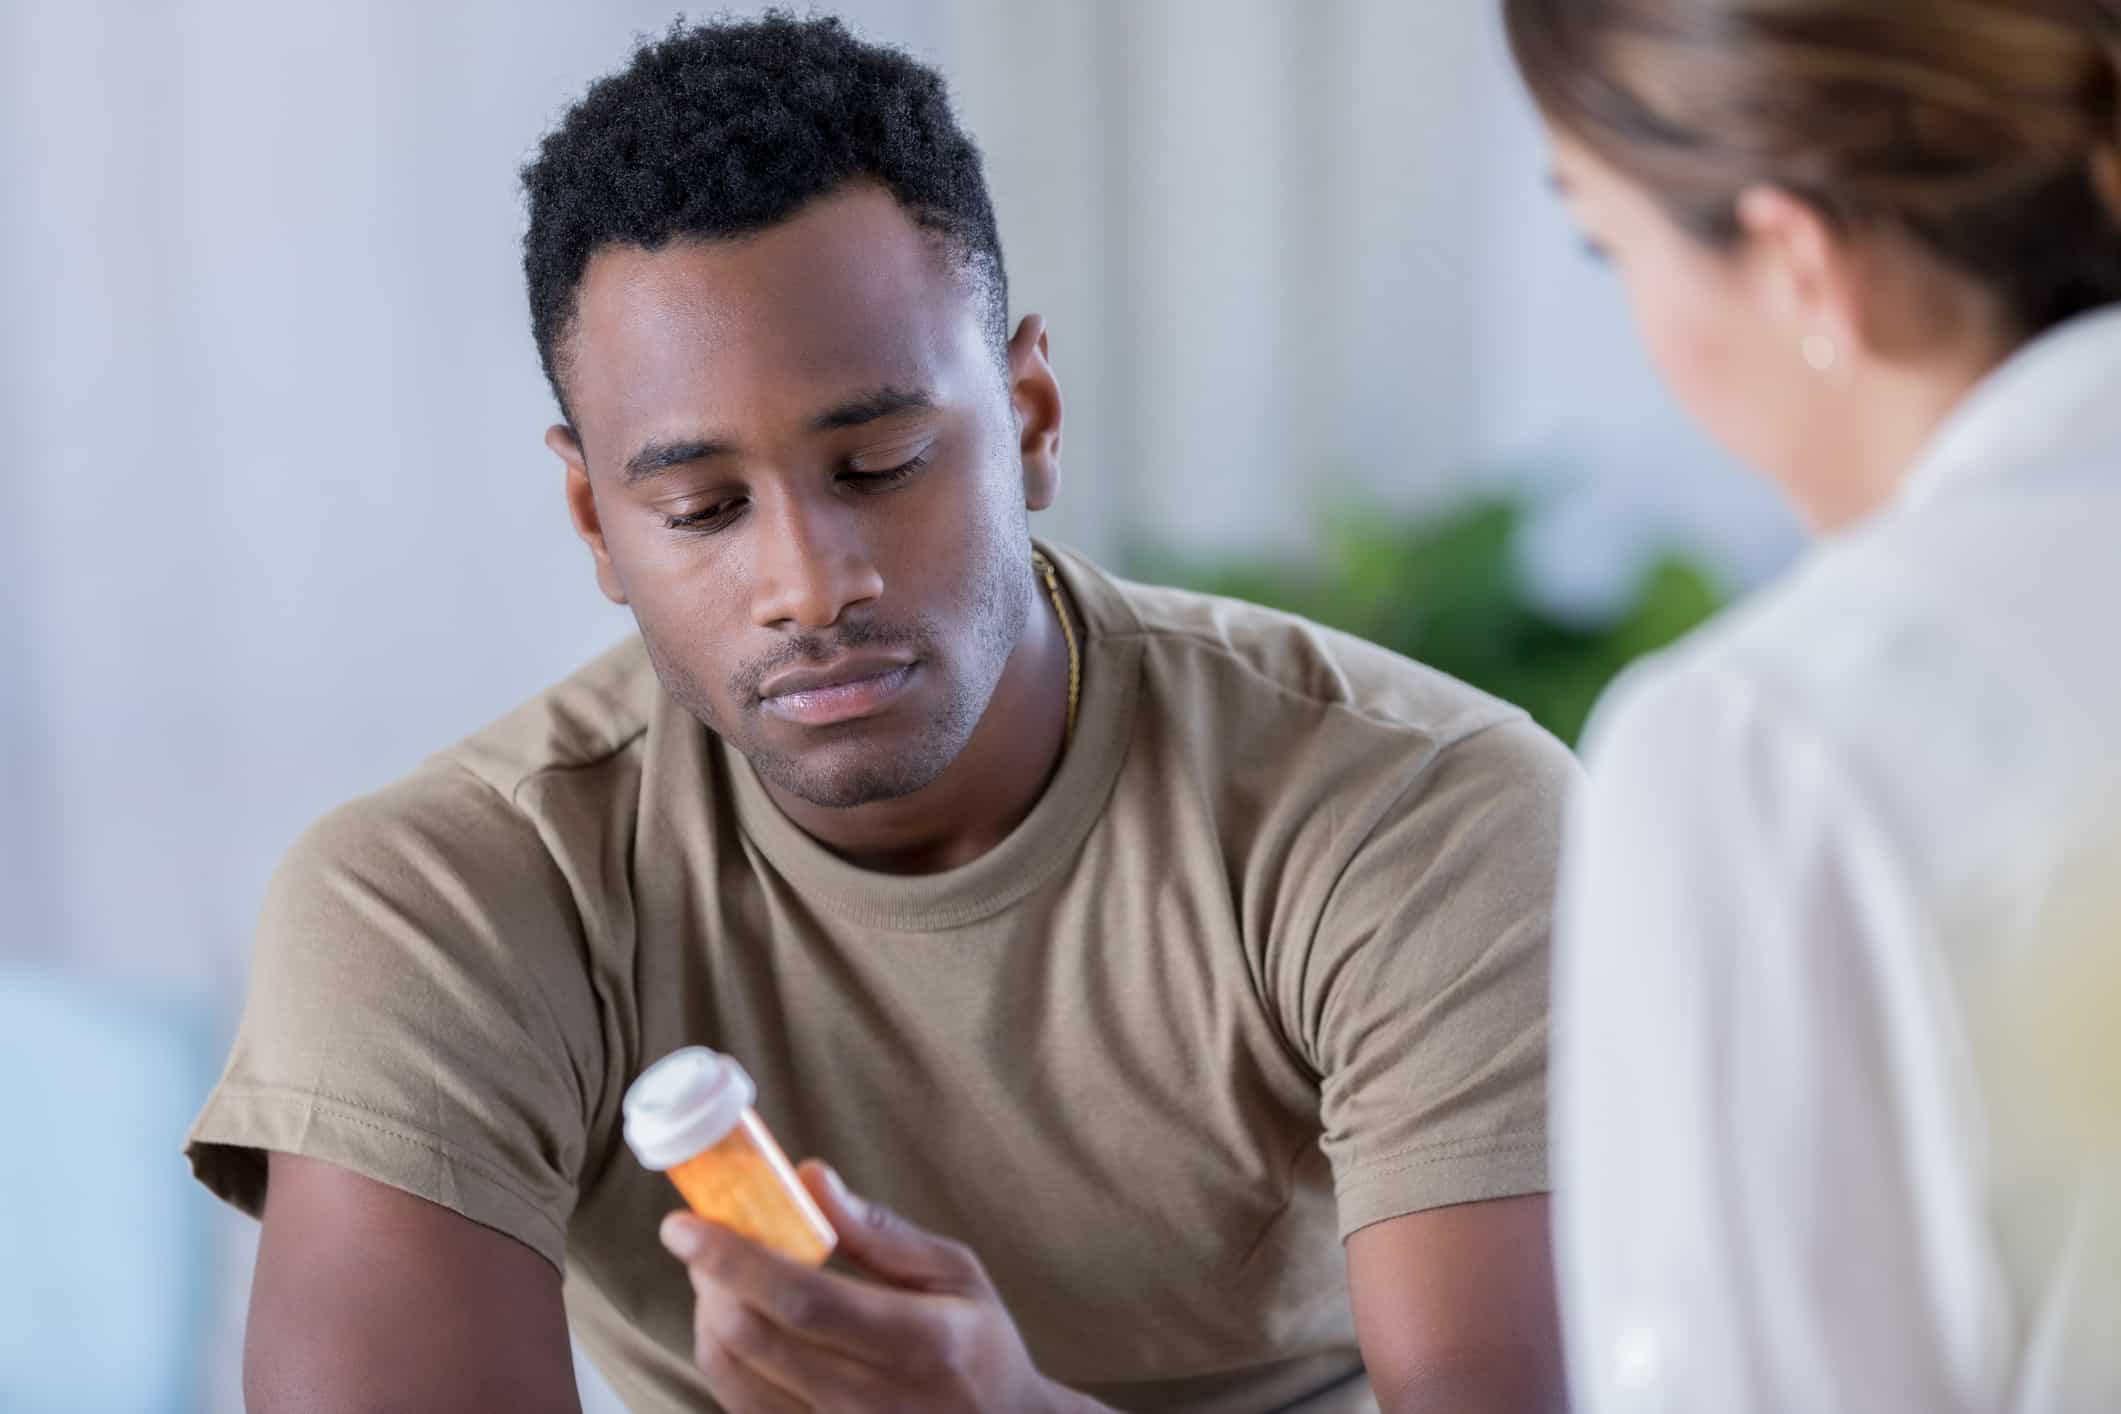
(582, 508)
(1809, 272)
(1035, 397)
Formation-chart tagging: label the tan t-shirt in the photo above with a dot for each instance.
(1266, 964)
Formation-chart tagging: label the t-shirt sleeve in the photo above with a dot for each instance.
(1424, 991)
(419, 1012)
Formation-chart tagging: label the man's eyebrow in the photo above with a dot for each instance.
(873, 407)
(661, 456)
(886, 402)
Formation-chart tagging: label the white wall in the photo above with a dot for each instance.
(277, 518)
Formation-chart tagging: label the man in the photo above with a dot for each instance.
(1136, 948)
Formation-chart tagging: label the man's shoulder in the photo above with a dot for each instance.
(1265, 666)
(479, 796)
(591, 716)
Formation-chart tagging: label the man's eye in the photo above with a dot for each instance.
(871, 482)
(713, 518)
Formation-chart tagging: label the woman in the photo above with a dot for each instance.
(1835, 1081)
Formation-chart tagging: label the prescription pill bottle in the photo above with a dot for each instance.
(689, 1115)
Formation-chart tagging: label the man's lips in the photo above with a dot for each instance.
(855, 686)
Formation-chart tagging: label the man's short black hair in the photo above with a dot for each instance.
(725, 129)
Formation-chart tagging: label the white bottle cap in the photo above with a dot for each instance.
(686, 1102)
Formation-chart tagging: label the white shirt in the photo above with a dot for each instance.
(1838, 975)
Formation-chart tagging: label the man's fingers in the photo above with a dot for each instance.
(825, 1308)
(814, 1375)
(737, 1386)
(888, 1245)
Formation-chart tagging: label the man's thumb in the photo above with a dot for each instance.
(886, 1245)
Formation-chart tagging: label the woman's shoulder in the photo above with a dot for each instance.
(1917, 690)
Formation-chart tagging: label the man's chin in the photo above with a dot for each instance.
(849, 777)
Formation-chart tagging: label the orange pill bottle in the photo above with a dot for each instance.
(690, 1115)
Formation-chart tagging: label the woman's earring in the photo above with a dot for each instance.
(1821, 353)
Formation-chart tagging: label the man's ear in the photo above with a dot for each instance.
(1035, 396)
(582, 508)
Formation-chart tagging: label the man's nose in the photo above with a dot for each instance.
(814, 565)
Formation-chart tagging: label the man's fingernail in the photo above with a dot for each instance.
(841, 1194)
(681, 1238)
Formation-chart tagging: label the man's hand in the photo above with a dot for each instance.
(928, 1333)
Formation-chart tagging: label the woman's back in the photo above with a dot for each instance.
(1894, 784)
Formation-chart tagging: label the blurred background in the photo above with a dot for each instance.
(278, 521)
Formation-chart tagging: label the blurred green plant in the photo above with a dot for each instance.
(1448, 590)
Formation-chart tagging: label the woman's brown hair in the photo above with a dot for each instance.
(1988, 130)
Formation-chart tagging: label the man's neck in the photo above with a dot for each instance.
(981, 796)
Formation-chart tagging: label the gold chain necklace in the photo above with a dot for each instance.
(1046, 572)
